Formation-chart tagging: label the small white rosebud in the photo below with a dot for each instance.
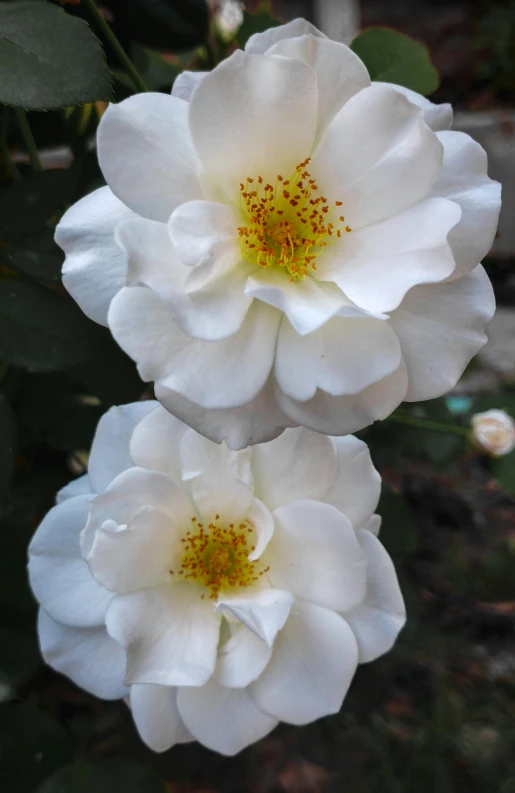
(494, 432)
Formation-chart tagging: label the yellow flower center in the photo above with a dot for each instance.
(216, 557)
(287, 224)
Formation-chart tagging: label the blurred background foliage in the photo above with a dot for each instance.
(438, 713)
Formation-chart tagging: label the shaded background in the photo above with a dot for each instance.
(438, 712)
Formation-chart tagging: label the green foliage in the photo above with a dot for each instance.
(48, 59)
(170, 25)
(256, 23)
(109, 776)
(392, 57)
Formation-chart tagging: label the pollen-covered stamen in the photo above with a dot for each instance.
(216, 557)
(288, 224)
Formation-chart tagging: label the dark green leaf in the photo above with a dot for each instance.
(107, 776)
(49, 59)
(40, 330)
(7, 441)
(398, 531)
(109, 374)
(16, 528)
(19, 656)
(169, 25)
(255, 23)
(32, 746)
(503, 468)
(37, 256)
(392, 57)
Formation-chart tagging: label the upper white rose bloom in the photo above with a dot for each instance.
(283, 242)
(494, 432)
(218, 592)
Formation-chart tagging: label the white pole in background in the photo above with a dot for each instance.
(338, 19)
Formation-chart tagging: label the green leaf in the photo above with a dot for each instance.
(49, 59)
(109, 373)
(16, 528)
(399, 533)
(28, 204)
(19, 656)
(7, 441)
(32, 746)
(255, 23)
(107, 776)
(40, 330)
(393, 57)
(503, 468)
(170, 25)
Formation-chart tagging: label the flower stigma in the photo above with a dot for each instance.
(216, 557)
(287, 224)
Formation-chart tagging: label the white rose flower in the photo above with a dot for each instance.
(494, 432)
(283, 242)
(218, 592)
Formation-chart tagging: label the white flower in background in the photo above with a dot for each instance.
(228, 17)
(218, 592)
(494, 432)
(283, 243)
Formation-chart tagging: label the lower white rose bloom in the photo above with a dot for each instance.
(283, 243)
(218, 592)
(494, 432)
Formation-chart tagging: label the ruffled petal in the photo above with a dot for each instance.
(377, 140)
(77, 487)
(185, 83)
(156, 441)
(259, 43)
(343, 357)
(110, 450)
(254, 115)
(437, 117)
(146, 154)
(95, 267)
(264, 613)
(464, 179)
(88, 656)
(221, 374)
(377, 621)
(156, 716)
(312, 666)
(314, 554)
(356, 487)
(298, 464)
(223, 719)
(169, 632)
(242, 658)
(429, 317)
(59, 576)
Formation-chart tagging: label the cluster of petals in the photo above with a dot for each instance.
(216, 591)
(344, 296)
(494, 432)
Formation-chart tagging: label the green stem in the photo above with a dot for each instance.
(115, 44)
(433, 426)
(28, 139)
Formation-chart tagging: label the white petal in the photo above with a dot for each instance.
(218, 478)
(356, 488)
(377, 622)
(88, 656)
(340, 73)
(440, 329)
(311, 668)
(373, 525)
(185, 83)
(59, 576)
(377, 265)
(464, 180)
(314, 554)
(377, 156)
(222, 374)
(212, 312)
(156, 441)
(95, 267)
(261, 518)
(342, 415)
(146, 154)
(223, 719)
(123, 499)
(307, 304)
(264, 613)
(142, 554)
(342, 357)
(77, 487)
(259, 43)
(437, 117)
(254, 115)
(110, 451)
(170, 634)
(242, 658)
(298, 464)
(258, 421)
(156, 715)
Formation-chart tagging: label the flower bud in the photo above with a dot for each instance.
(494, 432)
